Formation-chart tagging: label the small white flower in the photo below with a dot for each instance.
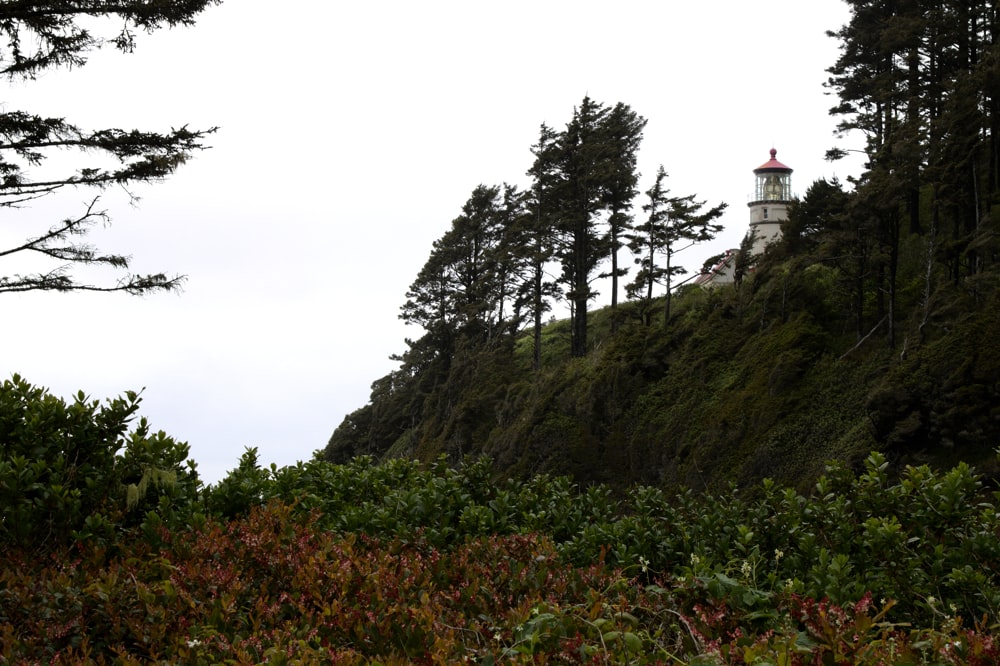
(931, 601)
(193, 643)
(778, 554)
(643, 564)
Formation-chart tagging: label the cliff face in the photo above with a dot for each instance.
(770, 379)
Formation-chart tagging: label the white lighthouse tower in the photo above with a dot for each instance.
(768, 209)
(769, 206)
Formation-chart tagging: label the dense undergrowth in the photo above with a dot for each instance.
(397, 562)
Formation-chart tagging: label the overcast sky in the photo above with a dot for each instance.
(350, 136)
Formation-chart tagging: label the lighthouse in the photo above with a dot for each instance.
(769, 206)
(768, 209)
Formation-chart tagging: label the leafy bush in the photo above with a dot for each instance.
(74, 470)
(928, 535)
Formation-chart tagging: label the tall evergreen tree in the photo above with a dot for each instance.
(432, 300)
(581, 174)
(647, 240)
(510, 264)
(919, 80)
(538, 237)
(624, 133)
(584, 157)
(878, 80)
(466, 286)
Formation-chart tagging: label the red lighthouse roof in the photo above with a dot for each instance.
(773, 164)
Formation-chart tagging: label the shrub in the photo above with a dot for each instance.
(73, 469)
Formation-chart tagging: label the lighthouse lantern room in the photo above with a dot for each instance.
(769, 207)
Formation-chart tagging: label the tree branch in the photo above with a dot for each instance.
(862, 340)
(57, 280)
(40, 34)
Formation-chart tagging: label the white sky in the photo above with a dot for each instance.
(350, 136)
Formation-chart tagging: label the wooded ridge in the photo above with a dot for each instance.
(869, 326)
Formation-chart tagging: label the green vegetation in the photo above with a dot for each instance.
(75, 470)
(400, 563)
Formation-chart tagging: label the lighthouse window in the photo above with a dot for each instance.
(765, 213)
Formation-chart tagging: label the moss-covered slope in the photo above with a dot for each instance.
(764, 381)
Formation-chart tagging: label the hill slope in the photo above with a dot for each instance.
(764, 380)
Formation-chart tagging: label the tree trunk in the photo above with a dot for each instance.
(666, 308)
(614, 276)
(537, 288)
(579, 346)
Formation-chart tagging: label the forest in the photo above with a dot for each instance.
(797, 468)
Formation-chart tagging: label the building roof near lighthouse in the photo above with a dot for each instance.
(773, 164)
(723, 272)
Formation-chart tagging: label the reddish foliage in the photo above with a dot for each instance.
(273, 587)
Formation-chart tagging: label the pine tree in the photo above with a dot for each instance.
(538, 235)
(670, 221)
(584, 172)
(469, 279)
(624, 133)
(510, 264)
(919, 80)
(880, 78)
(584, 157)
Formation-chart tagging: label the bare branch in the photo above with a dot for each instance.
(66, 228)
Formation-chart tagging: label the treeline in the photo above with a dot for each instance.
(512, 252)
(920, 81)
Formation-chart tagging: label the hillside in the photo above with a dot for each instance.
(767, 379)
